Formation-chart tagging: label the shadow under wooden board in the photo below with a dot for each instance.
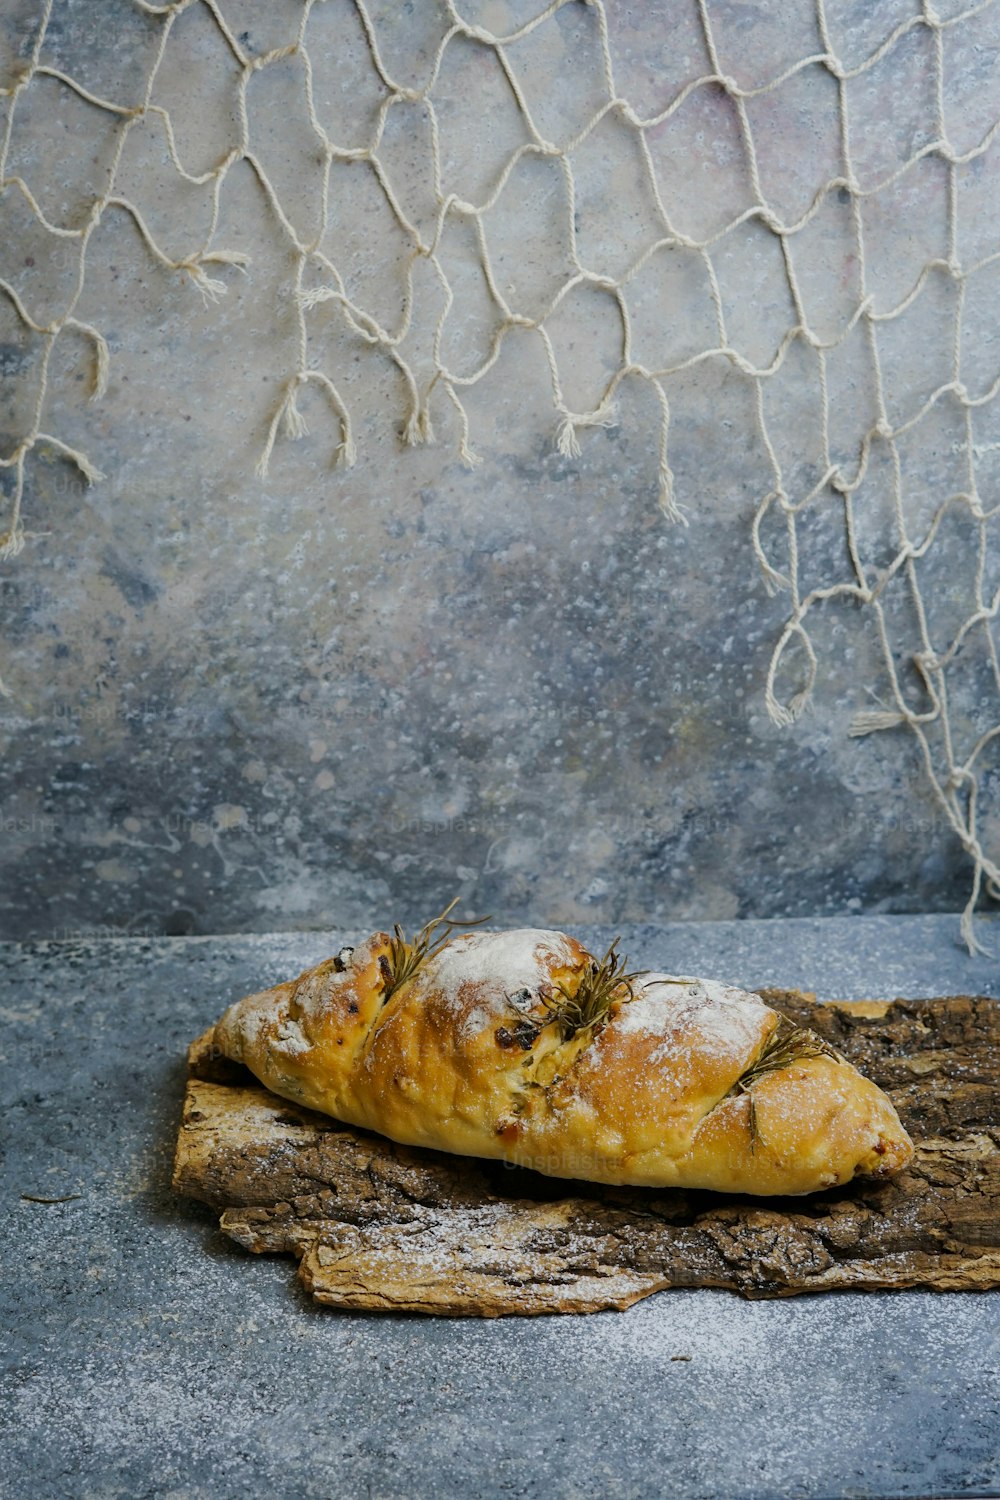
(381, 1226)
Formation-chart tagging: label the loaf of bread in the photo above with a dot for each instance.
(523, 1047)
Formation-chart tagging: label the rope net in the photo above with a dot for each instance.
(861, 473)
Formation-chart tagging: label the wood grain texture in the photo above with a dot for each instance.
(381, 1226)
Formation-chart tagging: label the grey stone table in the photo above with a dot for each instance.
(146, 1356)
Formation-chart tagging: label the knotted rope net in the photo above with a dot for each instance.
(861, 469)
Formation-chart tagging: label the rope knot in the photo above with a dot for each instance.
(882, 429)
(728, 82)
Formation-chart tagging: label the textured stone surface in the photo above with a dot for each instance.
(243, 703)
(144, 1356)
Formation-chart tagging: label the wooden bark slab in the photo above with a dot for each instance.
(381, 1226)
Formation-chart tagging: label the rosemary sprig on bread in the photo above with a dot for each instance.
(407, 956)
(604, 981)
(786, 1045)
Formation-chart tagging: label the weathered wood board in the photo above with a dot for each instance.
(381, 1226)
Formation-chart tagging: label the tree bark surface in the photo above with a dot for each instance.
(375, 1225)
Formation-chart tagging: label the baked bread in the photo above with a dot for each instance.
(523, 1047)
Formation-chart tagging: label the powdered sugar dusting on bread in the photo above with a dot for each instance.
(290, 1038)
(264, 1016)
(498, 964)
(728, 1019)
(241, 1026)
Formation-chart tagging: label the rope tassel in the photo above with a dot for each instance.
(567, 442)
(673, 512)
(11, 543)
(873, 721)
(567, 439)
(294, 422)
(418, 430)
(102, 366)
(210, 287)
(780, 714)
(89, 471)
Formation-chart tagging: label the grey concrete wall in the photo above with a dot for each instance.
(244, 704)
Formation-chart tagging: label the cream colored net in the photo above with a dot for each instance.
(859, 433)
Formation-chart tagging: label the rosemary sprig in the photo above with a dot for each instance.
(407, 956)
(601, 984)
(787, 1044)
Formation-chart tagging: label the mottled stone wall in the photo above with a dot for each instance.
(243, 703)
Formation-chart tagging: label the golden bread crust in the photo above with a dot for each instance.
(468, 1056)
